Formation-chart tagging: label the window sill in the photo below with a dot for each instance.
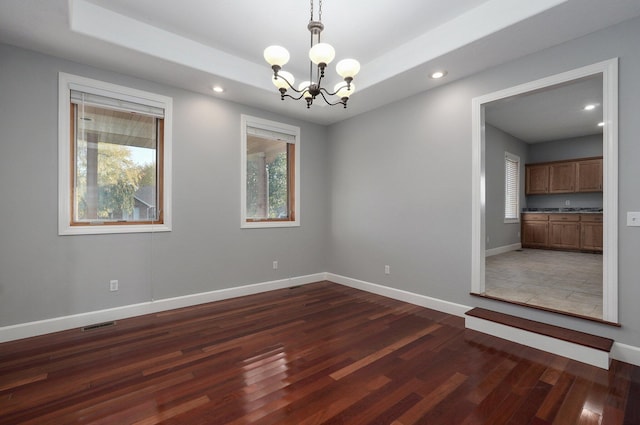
(111, 229)
(511, 220)
(268, 224)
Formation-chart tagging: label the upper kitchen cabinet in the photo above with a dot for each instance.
(536, 179)
(562, 177)
(572, 176)
(589, 175)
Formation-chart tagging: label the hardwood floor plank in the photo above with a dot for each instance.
(174, 411)
(315, 354)
(425, 404)
(7, 382)
(382, 353)
(632, 411)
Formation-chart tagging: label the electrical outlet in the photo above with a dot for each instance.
(567, 203)
(275, 265)
(113, 285)
(387, 269)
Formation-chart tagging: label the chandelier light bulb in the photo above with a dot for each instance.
(322, 53)
(280, 82)
(276, 55)
(348, 68)
(342, 91)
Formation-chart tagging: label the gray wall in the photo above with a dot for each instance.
(497, 142)
(43, 275)
(401, 183)
(557, 150)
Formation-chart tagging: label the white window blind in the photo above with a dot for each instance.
(511, 185)
(84, 98)
(270, 134)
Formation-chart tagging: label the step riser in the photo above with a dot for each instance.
(552, 345)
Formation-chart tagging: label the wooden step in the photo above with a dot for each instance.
(577, 345)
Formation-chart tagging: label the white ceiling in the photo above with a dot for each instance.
(555, 113)
(195, 44)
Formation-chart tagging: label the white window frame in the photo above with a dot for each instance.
(249, 121)
(67, 82)
(513, 158)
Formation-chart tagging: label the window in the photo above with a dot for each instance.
(511, 188)
(270, 174)
(114, 163)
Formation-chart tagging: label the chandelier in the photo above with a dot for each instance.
(320, 54)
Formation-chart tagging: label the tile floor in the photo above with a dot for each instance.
(565, 281)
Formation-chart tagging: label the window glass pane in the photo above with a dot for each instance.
(115, 175)
(267, 178)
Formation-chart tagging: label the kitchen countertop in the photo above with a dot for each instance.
(562, 210)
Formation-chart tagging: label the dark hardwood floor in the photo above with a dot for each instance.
(316, 354)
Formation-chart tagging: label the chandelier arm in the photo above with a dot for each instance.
(339, 102)
(328, 93)
(292, 97)
(276, 76)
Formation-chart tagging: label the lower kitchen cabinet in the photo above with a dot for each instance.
(572, 232)
(535, 230)
(564, 231)
(591, 233)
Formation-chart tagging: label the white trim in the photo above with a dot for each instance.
(609, 70)
(573, 351)
(399, 294)
(272, 126)
(502, 249)
(56, 324)
(626, 353)
(65, 83)
(610, 192)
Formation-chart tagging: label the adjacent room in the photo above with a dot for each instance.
(320, 212)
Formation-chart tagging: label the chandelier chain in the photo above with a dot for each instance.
(319, 11)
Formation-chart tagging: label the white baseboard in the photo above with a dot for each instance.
(556, 346)
(56, 324)
(626, 353)
(398, 294)
(502, 249)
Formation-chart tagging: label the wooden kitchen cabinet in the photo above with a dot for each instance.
(589, 175)
(536, 179)
(564, 231)
(571, 232)
(562, 177)
(571, 176)
(535, 231)
(591, 232)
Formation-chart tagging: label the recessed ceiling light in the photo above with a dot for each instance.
(601, 124)
(590, 107)
(438, 74)
(218, 89)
